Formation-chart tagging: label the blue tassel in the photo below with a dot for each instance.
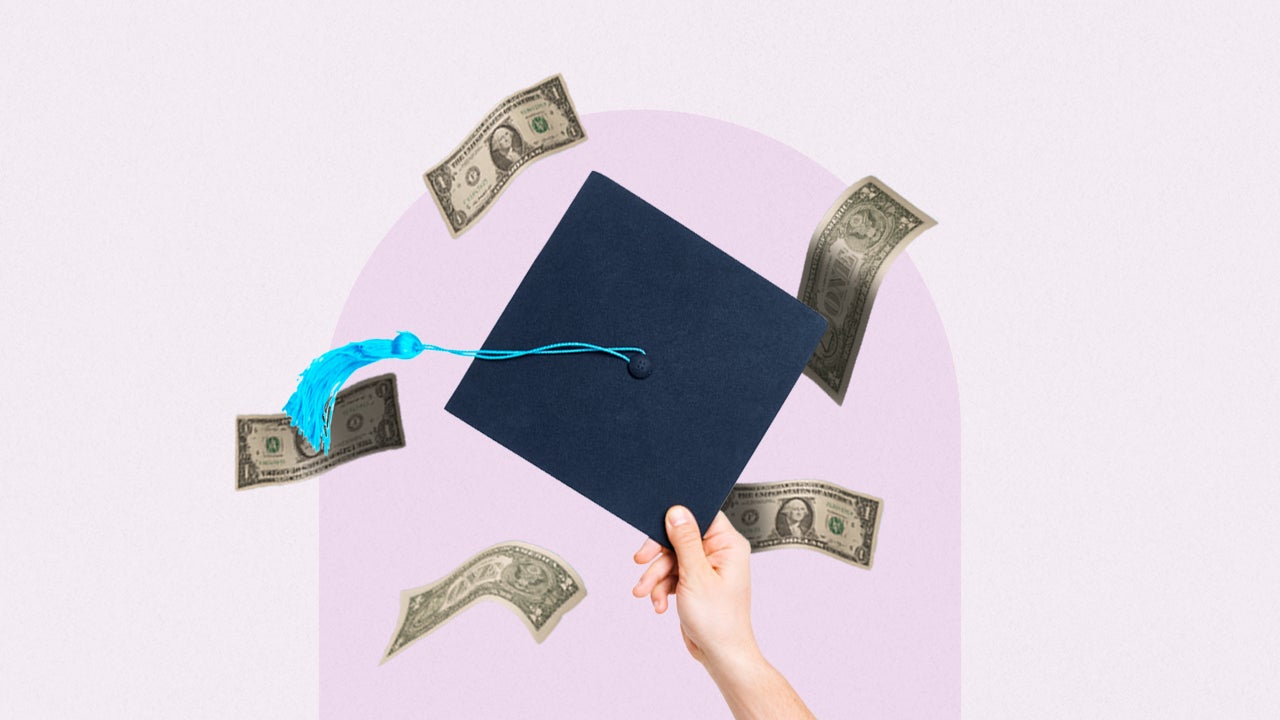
(310, 408)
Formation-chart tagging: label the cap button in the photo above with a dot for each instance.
(640, 367)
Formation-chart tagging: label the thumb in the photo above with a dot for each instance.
(687, 541)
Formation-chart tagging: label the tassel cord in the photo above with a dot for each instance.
(562, 348)
(310, 408)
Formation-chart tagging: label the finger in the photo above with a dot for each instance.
(662, 567)
(722, 535)
(687, 541)
(662, 592)
(721, 526)
(727, 550)
(648, 551)
(716, 548)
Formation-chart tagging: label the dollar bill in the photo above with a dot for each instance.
(532, 123)
(849, 255)
(807, 513)
(534, 582)
(366, 419)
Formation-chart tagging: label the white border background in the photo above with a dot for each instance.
(188, 192)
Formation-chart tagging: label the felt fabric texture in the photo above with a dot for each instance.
(726, 347)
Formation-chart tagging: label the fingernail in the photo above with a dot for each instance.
(678, 516)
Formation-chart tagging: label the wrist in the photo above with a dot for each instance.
(736, 665)
(754, 689)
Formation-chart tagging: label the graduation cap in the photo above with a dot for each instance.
(698, 354)
(676, 424)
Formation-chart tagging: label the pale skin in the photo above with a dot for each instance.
(710, 578)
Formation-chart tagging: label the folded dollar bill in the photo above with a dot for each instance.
(849, 254)
(807, 513)
(366, 419)
(534, 582)
(528, 125)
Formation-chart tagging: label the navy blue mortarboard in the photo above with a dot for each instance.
(677, 424)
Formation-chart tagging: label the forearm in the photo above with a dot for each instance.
(754, 690)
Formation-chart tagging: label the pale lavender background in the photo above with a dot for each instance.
(188, 192)
(875, 644)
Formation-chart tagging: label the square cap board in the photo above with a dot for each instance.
(724, 348)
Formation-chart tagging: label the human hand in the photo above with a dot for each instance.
(711, 579)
